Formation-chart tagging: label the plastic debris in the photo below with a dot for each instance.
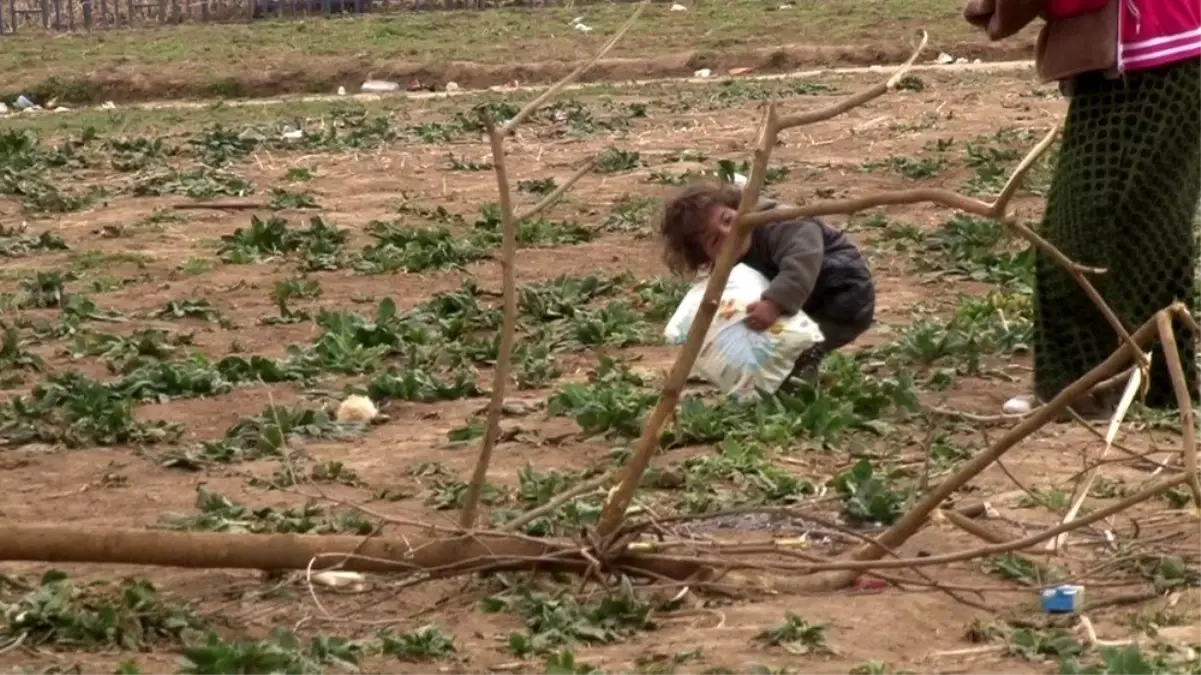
(677, 7)
(23, 103)
(341, 91)
(739, 360)
(703, 72)
(356, 408)
(945, 58)
(452, 86)
(379, 86)
(1065, 599)
(339, 579)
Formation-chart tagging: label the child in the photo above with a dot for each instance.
(812, 267)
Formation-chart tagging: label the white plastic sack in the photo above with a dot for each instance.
(735, 358)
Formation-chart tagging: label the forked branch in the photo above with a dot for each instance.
(508, 250)
(648, 442)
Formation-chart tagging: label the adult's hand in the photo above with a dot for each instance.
(979, 12)
(1002, 18)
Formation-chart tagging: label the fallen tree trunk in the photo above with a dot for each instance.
(443, 557)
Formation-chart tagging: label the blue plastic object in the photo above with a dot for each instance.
(1065, 599)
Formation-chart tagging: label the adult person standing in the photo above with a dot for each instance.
(1127, 186)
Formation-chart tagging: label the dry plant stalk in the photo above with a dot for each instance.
(1188, 425)
(508, 251)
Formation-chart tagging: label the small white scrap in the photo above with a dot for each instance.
(339, 579)
(740, 180)
(108, 105)
(703, 72)
(356, 408)
(379, 86)
(341, 91)
(452, 86)
(583, 28)
(677, 7)
(961, 60)
(3, 108)
(292, 135)
(23, 103)
(945, 58)
(1020, 405)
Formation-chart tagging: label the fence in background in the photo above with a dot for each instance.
(22, 16)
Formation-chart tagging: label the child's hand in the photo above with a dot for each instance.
(762, 314)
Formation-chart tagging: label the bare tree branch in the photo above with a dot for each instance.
(648, 442)
(509, 224)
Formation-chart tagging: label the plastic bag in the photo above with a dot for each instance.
(739, 360)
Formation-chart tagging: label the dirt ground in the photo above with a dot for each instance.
(133, 255)
(474, 49)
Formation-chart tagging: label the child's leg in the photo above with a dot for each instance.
(842, 318)
(837, 335)
(808, 362)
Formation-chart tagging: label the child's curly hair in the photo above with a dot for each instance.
(683, 222)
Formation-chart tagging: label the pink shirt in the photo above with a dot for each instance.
(1157, 32)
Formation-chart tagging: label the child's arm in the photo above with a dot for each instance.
(797, 248)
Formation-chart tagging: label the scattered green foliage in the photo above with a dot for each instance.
(796, 635)
(553, 620)
(129, 615)
(221, 514)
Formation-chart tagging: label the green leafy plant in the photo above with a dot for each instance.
(129, 615)
(796, 635)
(221, 514)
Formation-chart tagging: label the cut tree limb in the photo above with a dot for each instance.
(442, 557)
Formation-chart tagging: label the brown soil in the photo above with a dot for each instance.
(905, 629)
(134, 82)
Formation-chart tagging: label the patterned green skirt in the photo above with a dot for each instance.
(1124, 197)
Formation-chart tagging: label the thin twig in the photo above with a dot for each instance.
(550, 199)
(1188, 428)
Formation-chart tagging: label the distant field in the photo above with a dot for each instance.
(475, 48)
